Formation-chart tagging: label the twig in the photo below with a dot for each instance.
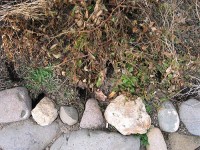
(196, 7)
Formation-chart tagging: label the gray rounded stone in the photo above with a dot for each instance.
(168, 118)
(27, 135)
(156, 140)
(190, 115)
(15, 105)
(183, 142)
(68, 115)
(92, 116)
(95, 140)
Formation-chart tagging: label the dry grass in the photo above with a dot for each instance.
(83, 42)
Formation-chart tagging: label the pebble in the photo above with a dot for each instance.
(128, 117)
(27, 135)
(190, 116)
(68, 115)
(168, 118)
(15, 105)
(92, 116)
(95, 140)
(156, 140)
(183, 142)
(45, 112)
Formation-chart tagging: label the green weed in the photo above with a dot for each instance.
(41, 78)
(128, 83)
(148, 108)
(143, 139)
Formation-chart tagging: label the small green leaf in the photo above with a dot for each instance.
(99, 81)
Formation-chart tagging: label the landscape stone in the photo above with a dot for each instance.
(95, 140)
(128, 117)
(15, 105)
(183, 142)
(168, 118)
(156, 140)
(190, 115)
(92, 116)
(27, 135)
(45, 112)
(68, 115)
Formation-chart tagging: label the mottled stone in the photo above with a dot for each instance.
(168, 118)
(15, 105)
(92, 116)
(190, 115)
(95, 140)
(128, 117)
(183, 142)
(27, 135)
(45, 112)
(68, 115)
(156, 140)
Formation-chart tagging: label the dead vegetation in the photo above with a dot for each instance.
(136, 46)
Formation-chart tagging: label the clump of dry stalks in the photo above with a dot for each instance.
(80, 34)
(88, 39)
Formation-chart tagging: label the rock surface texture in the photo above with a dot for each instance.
(156, 140)
(45, 112)
(92, 116)
(168, 118)
(190, 115)
(183, 142)
(68, 115)
(27, 135)
(128, 117)
(15, 105)
(95, 140)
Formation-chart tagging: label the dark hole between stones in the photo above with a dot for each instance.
(83, 93)
(110, 69)
(158, 76)
(37, 99)
(11, 72)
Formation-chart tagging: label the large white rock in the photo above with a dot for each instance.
(128, 117)
(156, 140)
(45, 112)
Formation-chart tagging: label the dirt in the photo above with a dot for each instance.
(5, 80)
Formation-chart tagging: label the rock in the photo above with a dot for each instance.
(183, 142)
(190, 116)
(168, 118)
(68, 115)
(156, 140)
(15, 105)
(95, 140)
(45, 112)
(128, 117)
(27, 135)
(92, 116)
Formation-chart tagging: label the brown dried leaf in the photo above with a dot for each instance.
(112, 94)
(99, 95)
